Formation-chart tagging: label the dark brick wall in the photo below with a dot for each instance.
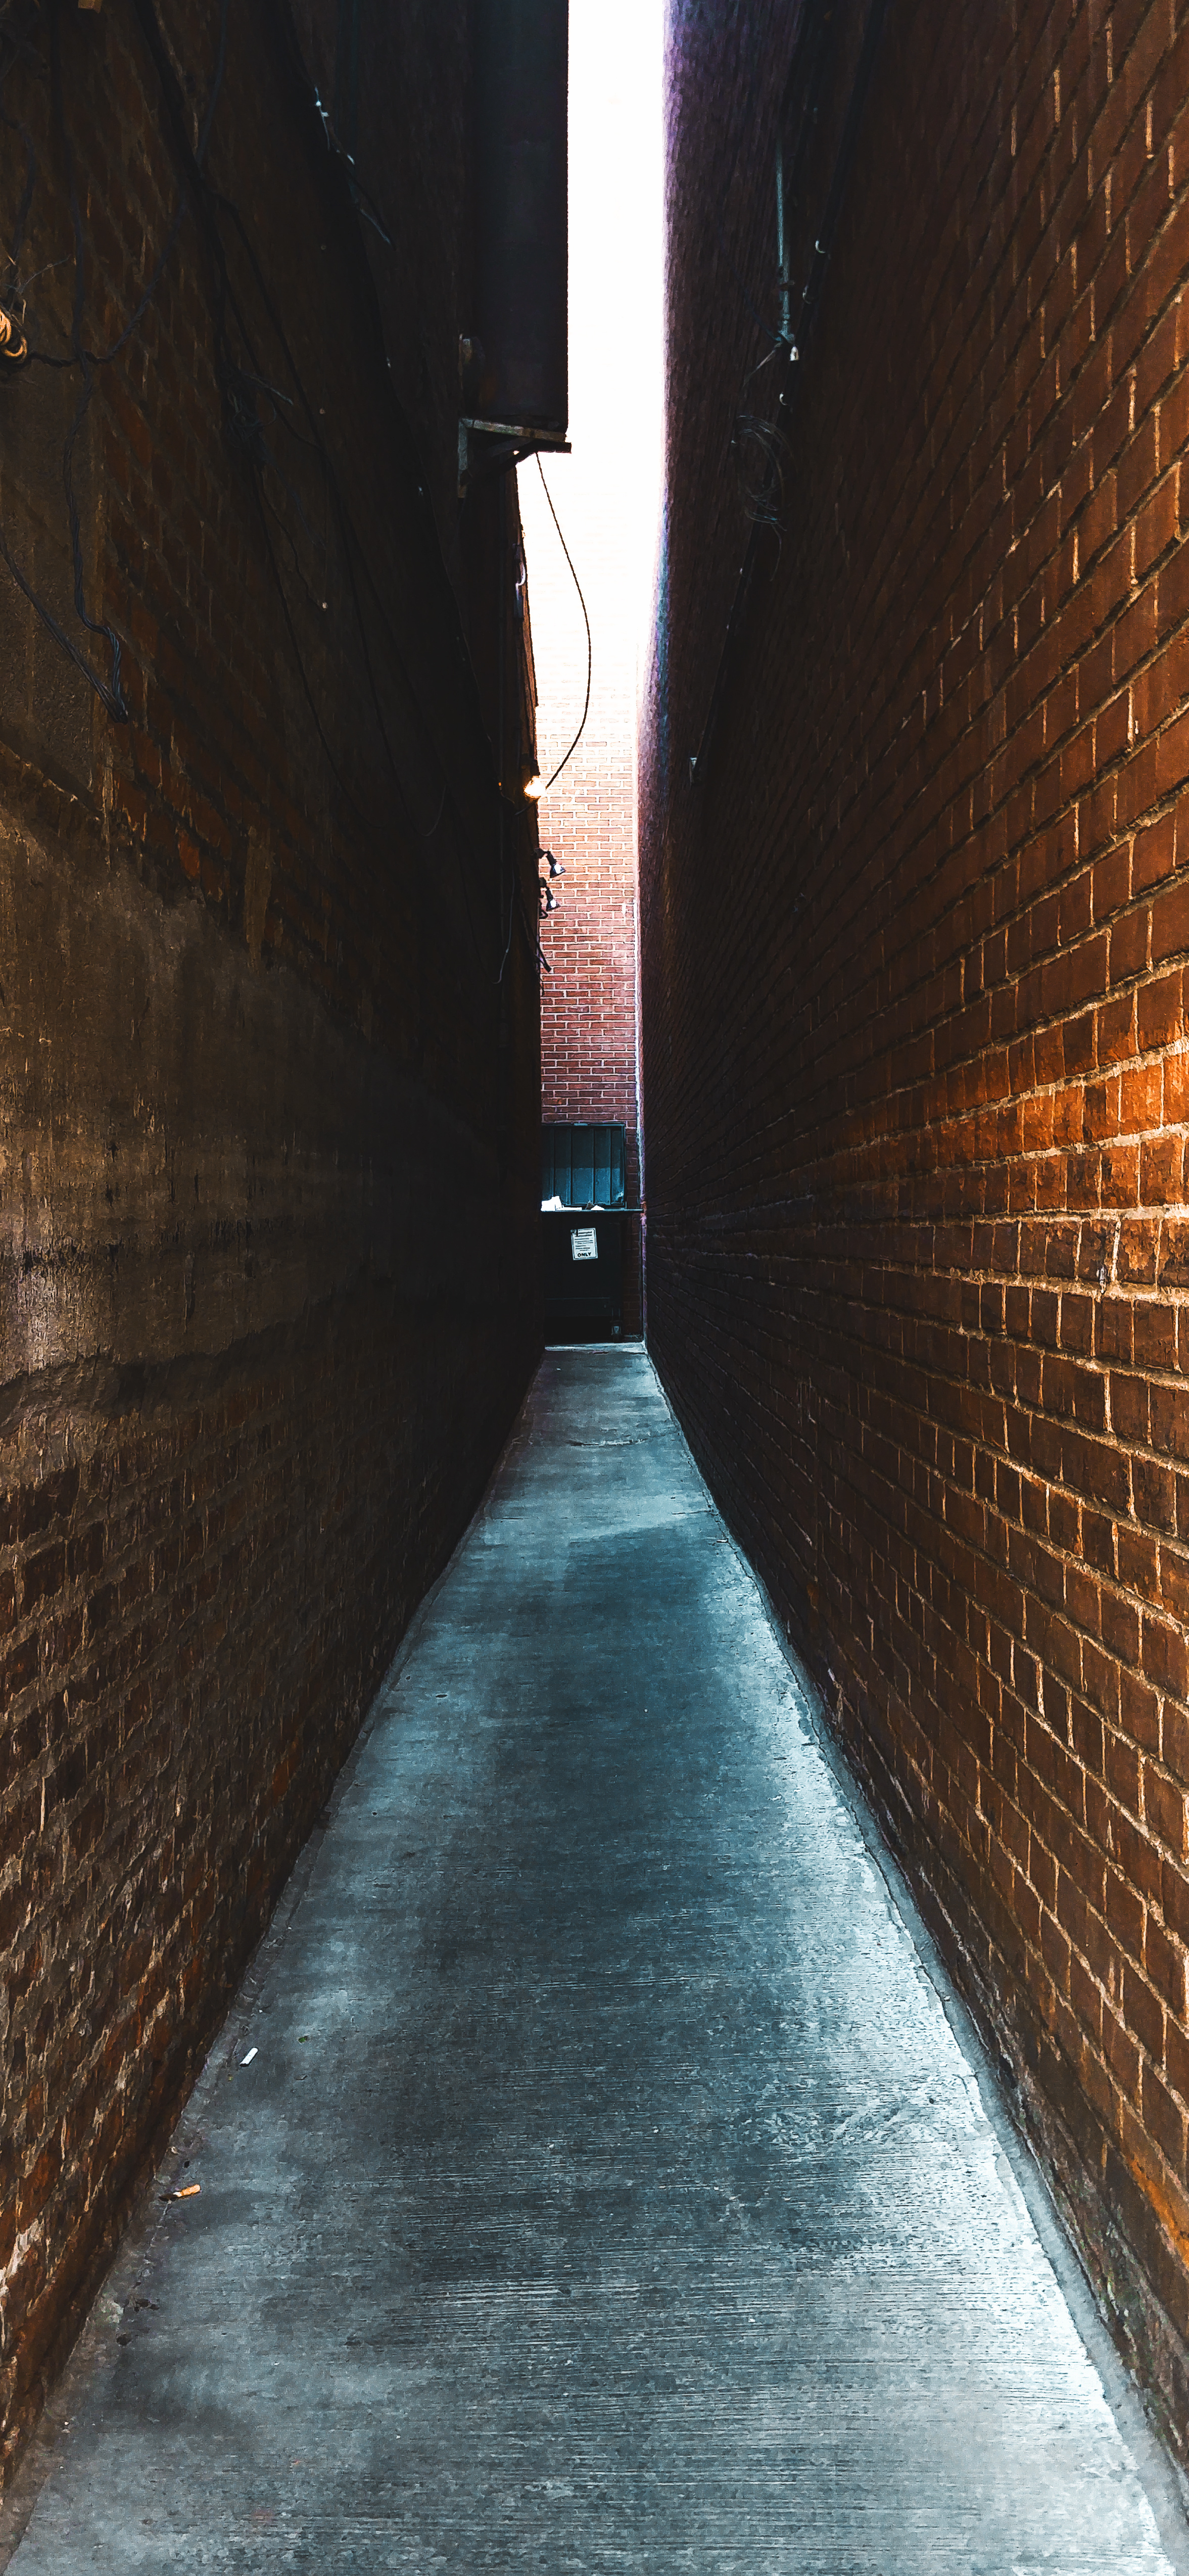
(914, 940)
(409, 124)
(270, 1107)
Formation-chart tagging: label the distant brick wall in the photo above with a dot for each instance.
(269, 1116)
(916, 1039)
(588, 1000)
(604, 494)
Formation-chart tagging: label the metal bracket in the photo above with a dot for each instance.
(501, 443)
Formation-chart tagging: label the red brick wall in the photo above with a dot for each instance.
(914, 945)
(602, 494)
(588, 1003)
(201, 1585)
(263, 1086)
(588, 1000)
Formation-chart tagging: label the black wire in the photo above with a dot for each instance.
(352, 801)
(765, 502)
(806, 82)
(48, 618)
(810, 301)
(350, 540)
(779, 339)
(216, 85)
(242, 419)
(586, 622)
(103, 357)
(351, 547)
(299, 569)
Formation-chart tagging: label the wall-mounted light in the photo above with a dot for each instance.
(534, 787)
(14, 348)
(555, 866)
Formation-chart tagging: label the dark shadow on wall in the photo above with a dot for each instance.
(269, 1050)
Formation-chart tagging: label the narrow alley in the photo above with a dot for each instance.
(594, 1287)
(595, 2170)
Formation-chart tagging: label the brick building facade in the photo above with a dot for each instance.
(603, 495)
(588, 1003)
(588, 820)
(915, 933)
(268, 994)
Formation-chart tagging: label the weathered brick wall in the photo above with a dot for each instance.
(269, 1146)
(914, 941)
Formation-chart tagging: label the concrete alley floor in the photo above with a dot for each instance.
(613, 2186)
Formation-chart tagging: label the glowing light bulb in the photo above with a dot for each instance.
(534, 787)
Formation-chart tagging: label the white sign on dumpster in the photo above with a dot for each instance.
(584, 1243)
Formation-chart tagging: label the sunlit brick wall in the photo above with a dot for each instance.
(915, 941)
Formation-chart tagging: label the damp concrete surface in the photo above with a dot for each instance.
(615, 2183)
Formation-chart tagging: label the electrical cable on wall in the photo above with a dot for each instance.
(808, 82)
(589, 647)
(351, 549)
(778, 339)
(763, 511)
